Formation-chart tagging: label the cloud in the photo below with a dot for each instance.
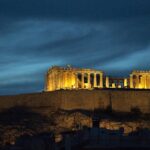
(76, 9)
(108, 35)
(123, 66)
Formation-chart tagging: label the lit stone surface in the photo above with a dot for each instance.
(80, 78)
(73, 78)
(140, 80)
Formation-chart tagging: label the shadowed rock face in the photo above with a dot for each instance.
(18, 121)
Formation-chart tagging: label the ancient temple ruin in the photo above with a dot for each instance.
(80, 78)
(140, 79)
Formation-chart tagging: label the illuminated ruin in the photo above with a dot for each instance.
(140, 80)
(79, 78)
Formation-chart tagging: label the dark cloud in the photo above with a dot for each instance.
(83, 9)
(108, 35)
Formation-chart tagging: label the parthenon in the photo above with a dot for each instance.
(58, 78)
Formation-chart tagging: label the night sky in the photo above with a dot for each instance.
(110, 35)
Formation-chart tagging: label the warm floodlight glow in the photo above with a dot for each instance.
(74, 78)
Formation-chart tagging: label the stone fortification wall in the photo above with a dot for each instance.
(120, 100)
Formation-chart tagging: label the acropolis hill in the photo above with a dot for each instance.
(70, 88)
(73, 96)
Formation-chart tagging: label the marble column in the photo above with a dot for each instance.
(107, 82)
(101, 80)
(76, 80)
(95, 83)
(142, 82)
(66, 80)
(63, 76)
(144, 78)
(72, 80)
(82, 80)
(69, 80)
(52, 81)
(48, 86)
(148, 82)
(54, 78)
(61, 80)
(131, 81)
(49, 82)
(137, 81)
(125, 83)
(89, 83)
(46, 82)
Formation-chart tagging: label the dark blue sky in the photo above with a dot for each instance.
(111, 35)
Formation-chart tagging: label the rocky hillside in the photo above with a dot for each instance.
(18, 121)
